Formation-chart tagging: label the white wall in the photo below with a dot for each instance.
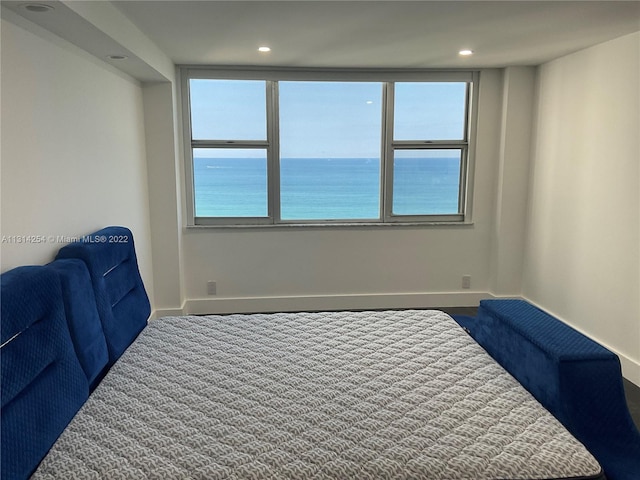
(511, 179)
(582, 257)
(73, 147)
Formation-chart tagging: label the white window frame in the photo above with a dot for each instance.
(271, 144)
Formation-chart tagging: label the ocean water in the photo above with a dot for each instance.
(320, 188)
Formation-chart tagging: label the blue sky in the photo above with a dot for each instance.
(324, 119)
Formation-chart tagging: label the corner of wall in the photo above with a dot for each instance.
(164, 194)
(582, 255)
(512, 176)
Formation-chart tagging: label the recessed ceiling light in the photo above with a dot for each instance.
(465, 52)
(37, 7)
(264, 49)
(117, 57)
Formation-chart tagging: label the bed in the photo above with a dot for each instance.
(335, 395)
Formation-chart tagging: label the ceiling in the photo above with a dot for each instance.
(378, 34)
(331, 33)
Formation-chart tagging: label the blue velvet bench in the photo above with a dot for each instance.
(576, 379)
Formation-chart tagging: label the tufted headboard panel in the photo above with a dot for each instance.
(82, 317)
(43, 384)
(122, 301)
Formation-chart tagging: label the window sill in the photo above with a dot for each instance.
(330, 225)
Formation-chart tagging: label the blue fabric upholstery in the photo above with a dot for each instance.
(82, 317)
(43, 384)
(122, 301)
(467, 322)
(576, 379)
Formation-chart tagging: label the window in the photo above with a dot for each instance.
(229, 148)
(429, 149)
(330, 137)
(287, 148)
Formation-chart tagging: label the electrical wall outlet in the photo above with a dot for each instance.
(466, 281)
(211, 287)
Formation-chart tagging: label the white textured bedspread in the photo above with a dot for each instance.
(363, 395)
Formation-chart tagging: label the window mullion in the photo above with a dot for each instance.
(462, 195)
(471, 115)
(387, 179)
(273, 152)
(188, 151)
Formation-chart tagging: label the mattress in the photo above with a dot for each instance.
(335, 395)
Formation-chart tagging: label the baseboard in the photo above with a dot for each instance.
(206, 306)
(168, 312)
(630, 367)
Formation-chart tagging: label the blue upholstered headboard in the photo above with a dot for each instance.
(43, 384)
(63, 326)
(83, 320)
(121, 299)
